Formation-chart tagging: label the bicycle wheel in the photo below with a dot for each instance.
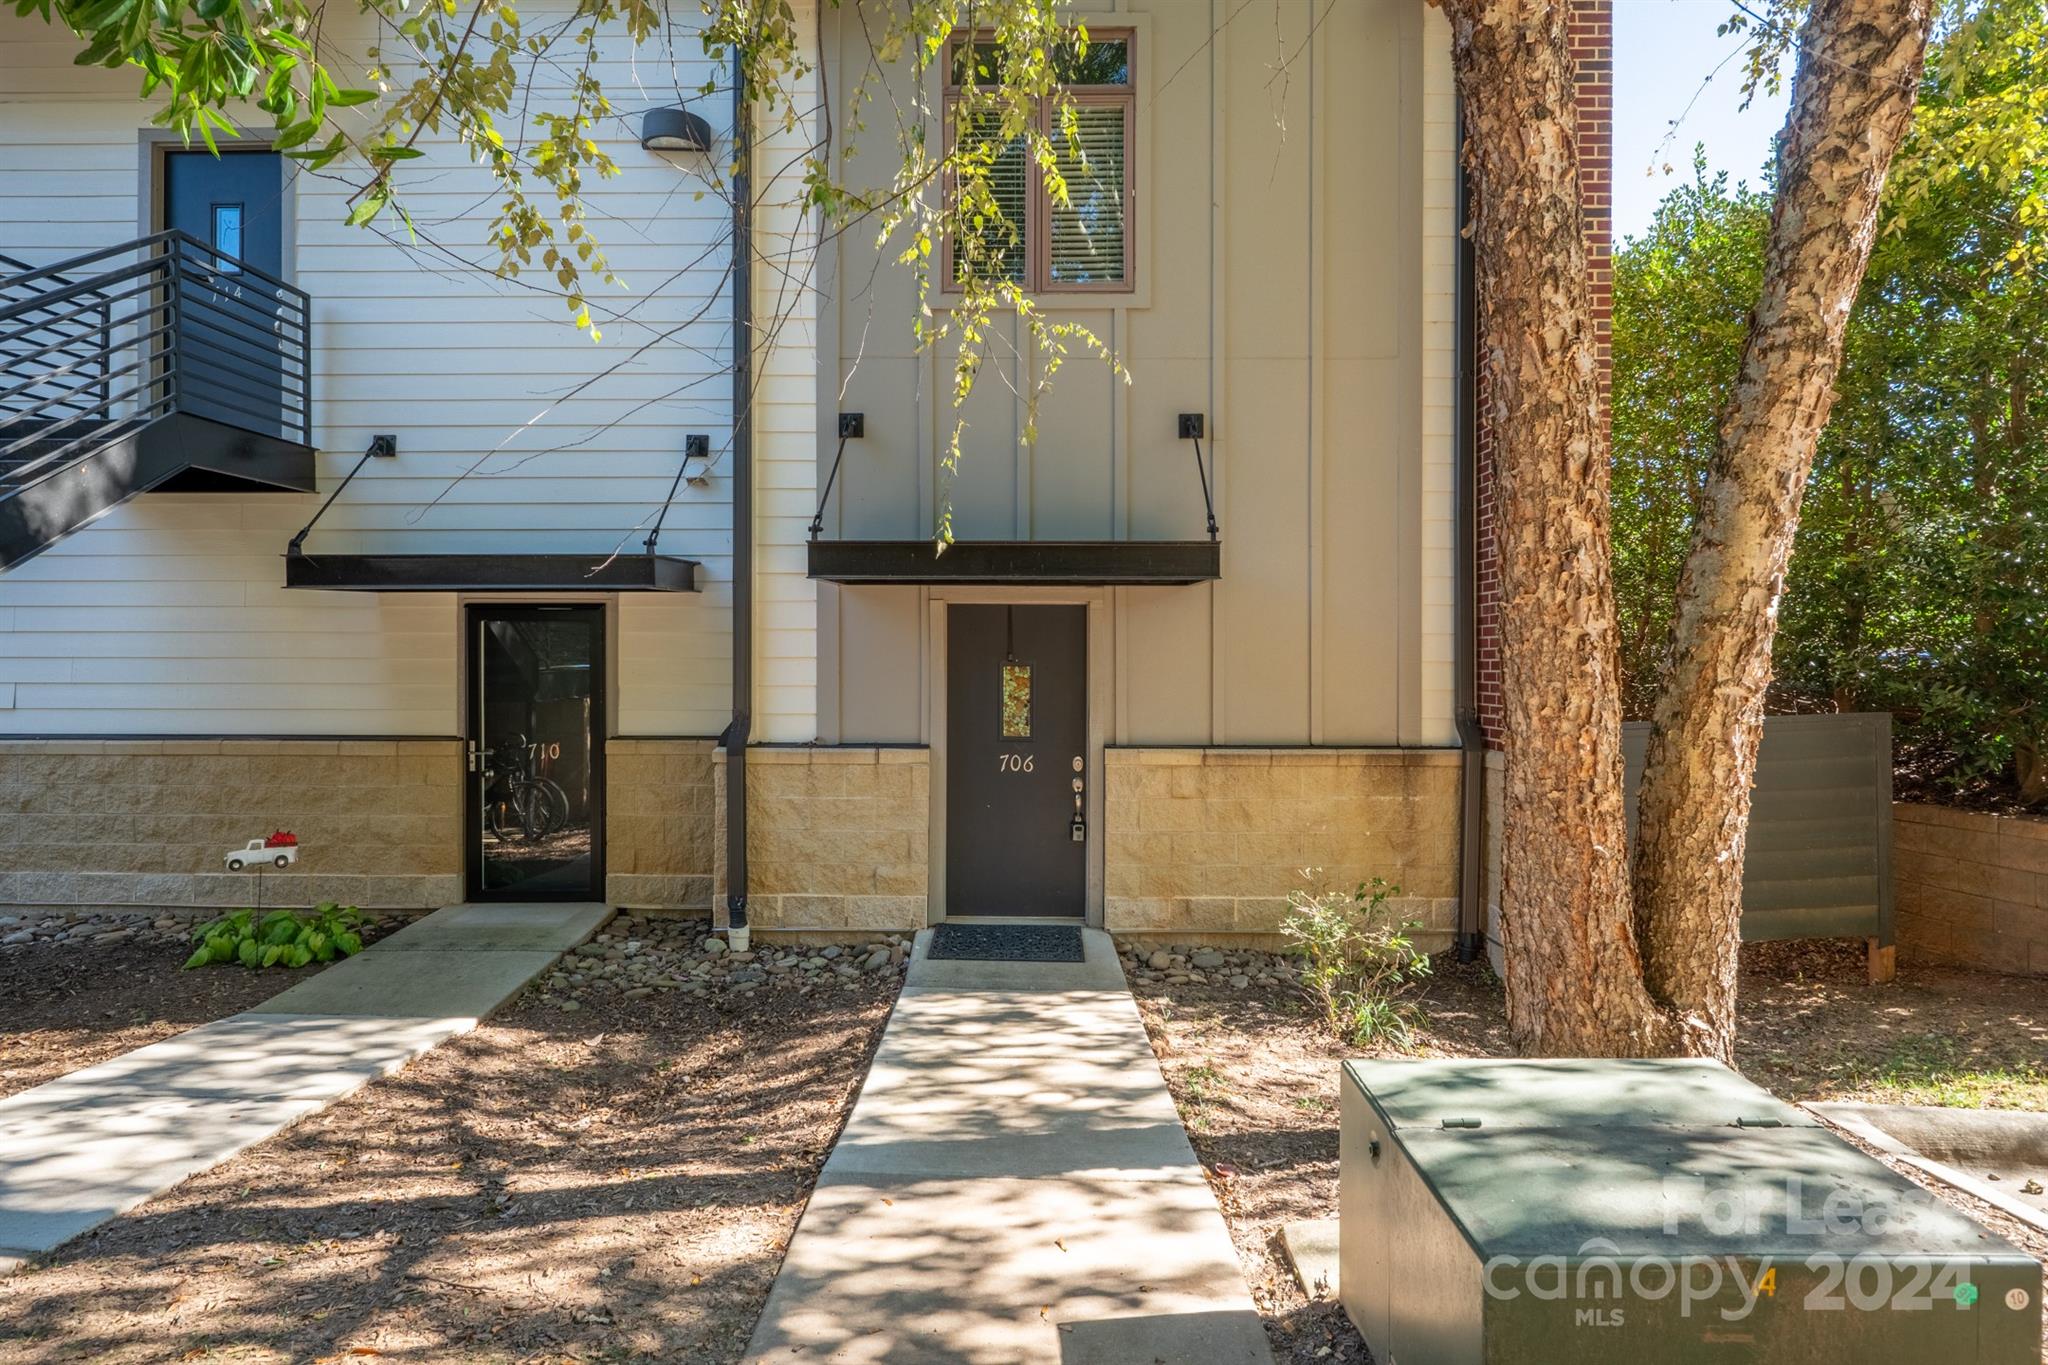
(554, 803)
(530, 804)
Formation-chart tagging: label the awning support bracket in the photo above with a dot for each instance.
(1191, 429)
(382, 447)
(853, 426)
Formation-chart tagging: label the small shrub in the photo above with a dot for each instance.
(1359, 960)
(282, 938)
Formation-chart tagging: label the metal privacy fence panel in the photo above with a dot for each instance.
(1819, 860)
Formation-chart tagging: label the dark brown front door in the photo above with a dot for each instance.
(1016, 751)
(536, 737)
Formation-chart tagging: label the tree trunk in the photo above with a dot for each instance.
(1852, 101)
(1574, 979)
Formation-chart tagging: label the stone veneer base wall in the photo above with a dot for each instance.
(659, 823)
(146, 822)
(1970, 888)
(837, 838)
(1208, 842)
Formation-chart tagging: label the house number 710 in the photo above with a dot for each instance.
(1015, 763)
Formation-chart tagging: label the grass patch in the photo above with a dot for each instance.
(1203, 1087)
(1930, 1069)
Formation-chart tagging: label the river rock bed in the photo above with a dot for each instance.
(633, 958)
(1186, 964)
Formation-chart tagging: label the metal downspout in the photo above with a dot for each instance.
(1471, 738)
(741, 728)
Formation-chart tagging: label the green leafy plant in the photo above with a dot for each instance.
(281, 938)
(1359, 960)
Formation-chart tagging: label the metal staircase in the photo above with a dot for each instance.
(158, 365)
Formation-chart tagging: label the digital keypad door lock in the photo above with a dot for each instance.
(1078, 826)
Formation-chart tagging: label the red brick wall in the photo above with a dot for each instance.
(1591, 33)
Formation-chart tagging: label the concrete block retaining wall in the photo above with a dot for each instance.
(1972, 888)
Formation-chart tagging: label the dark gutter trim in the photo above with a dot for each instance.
(1471, 737)
(737, 734)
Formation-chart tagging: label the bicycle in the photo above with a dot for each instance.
(530, 806)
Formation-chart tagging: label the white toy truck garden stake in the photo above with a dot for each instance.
(278, 850)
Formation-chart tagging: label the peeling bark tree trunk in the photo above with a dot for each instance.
(1574, 978)
(1852, 101)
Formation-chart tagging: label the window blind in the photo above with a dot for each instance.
(1086, 238)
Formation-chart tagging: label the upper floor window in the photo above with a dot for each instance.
(1082, 245)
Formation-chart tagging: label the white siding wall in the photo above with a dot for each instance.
(167, 616)
(786, 420)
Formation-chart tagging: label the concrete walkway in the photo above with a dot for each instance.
(1014, 1185)
(93, 1144)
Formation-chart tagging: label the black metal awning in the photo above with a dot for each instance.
(1095, 563)
(491, 573)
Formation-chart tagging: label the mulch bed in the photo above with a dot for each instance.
(1255, 1077)
(613, 1183)
(70, 1003)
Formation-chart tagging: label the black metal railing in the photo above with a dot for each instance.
(96, 346)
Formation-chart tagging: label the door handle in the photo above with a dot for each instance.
(1077, 828)
(475, 755)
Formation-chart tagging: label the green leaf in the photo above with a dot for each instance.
(294, 135)
(272, 954)
(297, 956)
(363, 212)
(345, 99)
(349, 943)
(200, 958)
(250, 952)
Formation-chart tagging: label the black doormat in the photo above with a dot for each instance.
(1007, 943)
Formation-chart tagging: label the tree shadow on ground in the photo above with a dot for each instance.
(616, 1182)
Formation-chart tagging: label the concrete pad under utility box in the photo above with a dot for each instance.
(451, 983)
(554, 928)
(1496, 1212)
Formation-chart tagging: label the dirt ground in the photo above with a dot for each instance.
(1256, 1081)
(612, 1184)
(69, 1005)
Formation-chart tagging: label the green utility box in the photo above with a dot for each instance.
(1643, 1213)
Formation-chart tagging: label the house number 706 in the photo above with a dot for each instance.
(1015, 763)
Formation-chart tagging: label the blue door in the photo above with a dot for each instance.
(237, 346)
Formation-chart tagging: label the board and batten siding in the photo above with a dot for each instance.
(515, 434)
(1294, 258)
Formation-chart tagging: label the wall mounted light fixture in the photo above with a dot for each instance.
(674, 129)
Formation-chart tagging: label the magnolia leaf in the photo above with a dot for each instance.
(368, 208)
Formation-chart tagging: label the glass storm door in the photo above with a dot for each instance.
(1016, 765)
(536, 728)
